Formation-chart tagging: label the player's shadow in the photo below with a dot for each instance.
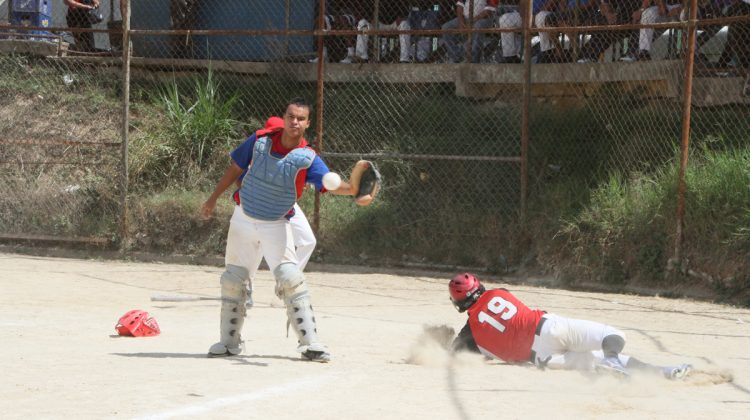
(234, 359)
(239, 359)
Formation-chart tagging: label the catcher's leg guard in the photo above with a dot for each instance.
(290, 286)
(233, 295)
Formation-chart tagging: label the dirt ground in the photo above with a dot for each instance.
(62, 358)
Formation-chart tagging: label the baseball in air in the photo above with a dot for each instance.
(332, 181)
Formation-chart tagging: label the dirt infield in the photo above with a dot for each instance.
(61, 357)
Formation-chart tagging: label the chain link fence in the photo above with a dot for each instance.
(494, 128)
(60, 142)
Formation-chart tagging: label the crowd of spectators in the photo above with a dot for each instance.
(506, 47)
(363, 16)
(452, 16)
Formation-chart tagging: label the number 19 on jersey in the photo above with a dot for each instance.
(497, 306)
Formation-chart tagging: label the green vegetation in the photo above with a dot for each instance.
(168, 222)
(201, 123)
(602, 176)
(625, 235)
(188, 129)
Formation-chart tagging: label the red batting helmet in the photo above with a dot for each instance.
(465, 289)
(137, 323)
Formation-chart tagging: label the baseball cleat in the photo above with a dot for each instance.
(612, 366)
(221, 350)
(676, 373)
(316, 356)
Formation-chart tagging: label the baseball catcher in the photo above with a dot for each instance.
(274, 165)
(365, 182)
(500, 326)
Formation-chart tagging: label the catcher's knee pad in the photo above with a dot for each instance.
(289, 281)
(233, 297)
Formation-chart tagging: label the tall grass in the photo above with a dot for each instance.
(719, 198)
(626, 234)
(201, 120)
(183, 135)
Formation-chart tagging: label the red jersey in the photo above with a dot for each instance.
(503, 326)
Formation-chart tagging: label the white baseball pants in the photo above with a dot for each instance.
(249, 240)
(571, 343)
(511, 41)
(304, 238)
(362, 45)
(545, 38)
(651, 15)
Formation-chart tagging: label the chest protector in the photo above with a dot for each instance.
(268, 190)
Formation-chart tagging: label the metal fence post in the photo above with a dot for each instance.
(526, 104)
(319, 108)
(676, 260)
(125, 10)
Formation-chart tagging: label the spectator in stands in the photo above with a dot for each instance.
(738, 37)
(123, 8)
(562, 13)
(737, 47)
(77, 17)
(417, 16)
(422, 16)
(652, 11)
(446, 9)
(391, 16)
(708, 9)
(548, 43)
(483, 17)
(613, 12)
(511, 17)
(339, 15)
(182, 15)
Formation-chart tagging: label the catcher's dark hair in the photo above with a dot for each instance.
(300, 102)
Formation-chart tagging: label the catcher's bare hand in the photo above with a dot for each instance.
(207, 210)
(363, 200)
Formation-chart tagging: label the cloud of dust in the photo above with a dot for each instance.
(432, 348)
(639, 383)
(701, 377)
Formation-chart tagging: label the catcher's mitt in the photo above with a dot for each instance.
(365, 182)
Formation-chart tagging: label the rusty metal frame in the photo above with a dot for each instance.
(320, 33)
(685, 139)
